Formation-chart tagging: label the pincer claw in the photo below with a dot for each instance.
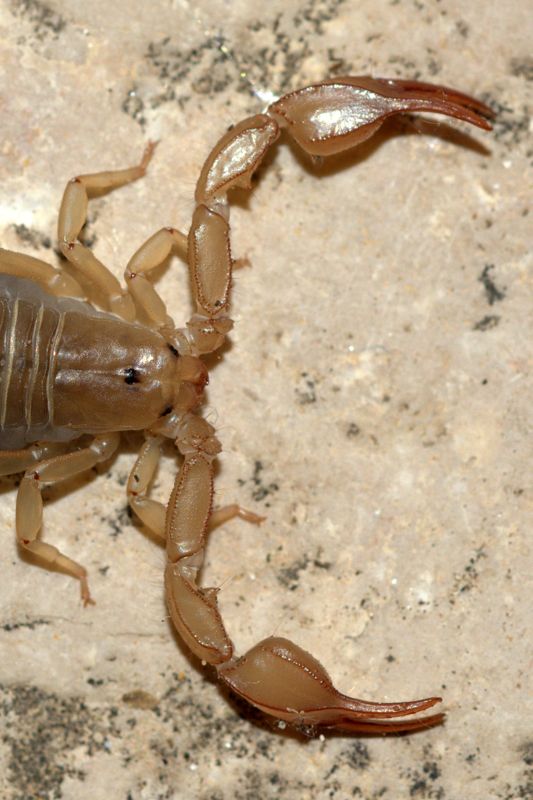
(284, 680)
(339, 113)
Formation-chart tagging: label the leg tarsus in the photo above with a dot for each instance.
(53, 557)
(149, 256)
(72, 217)
(226, 513)
(147, 154)
(29, 511)
(241, 263)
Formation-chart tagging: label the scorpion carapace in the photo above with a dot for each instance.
(69, 372)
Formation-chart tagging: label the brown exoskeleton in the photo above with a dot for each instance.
(68, 371)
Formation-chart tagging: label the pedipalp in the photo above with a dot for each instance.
(277, 676)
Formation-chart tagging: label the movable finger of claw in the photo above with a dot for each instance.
(287, 682)
(461, 103)
(332, 116)
(389, 725)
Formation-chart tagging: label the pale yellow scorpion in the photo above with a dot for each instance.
(69, 372)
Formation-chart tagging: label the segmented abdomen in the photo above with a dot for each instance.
(30, 331)
(67, 369)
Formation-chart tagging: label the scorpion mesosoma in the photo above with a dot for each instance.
(70, 372)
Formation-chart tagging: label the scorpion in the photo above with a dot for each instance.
(72, 377)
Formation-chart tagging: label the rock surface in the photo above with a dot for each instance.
(373, 404)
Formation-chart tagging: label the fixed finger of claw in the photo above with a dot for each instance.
(332, 116)
(287, 682)
(422, 90)
(224, 514)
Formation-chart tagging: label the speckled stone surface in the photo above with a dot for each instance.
(373, 403)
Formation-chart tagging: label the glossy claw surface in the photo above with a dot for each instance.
(333, 116)
(287, 682)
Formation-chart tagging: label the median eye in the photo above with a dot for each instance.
(166, 411)
(131, 376)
